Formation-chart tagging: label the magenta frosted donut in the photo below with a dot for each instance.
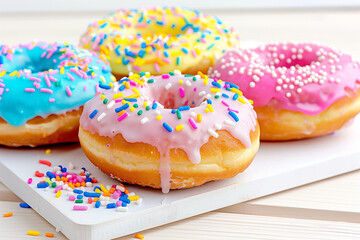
(297, 77)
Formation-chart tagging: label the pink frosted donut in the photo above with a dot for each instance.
(169, 131)
(307, 82)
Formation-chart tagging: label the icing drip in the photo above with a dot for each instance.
(152, 110)
(300, 77)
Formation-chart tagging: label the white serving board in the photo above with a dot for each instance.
(276, 167)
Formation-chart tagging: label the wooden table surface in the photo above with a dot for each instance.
(329, 209)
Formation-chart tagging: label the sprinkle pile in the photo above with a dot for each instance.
(158, 39)
(56, 77)
(82, 188)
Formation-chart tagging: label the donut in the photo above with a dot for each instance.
(43, 87)
(159, 40)
(170, 131)
(300, 90)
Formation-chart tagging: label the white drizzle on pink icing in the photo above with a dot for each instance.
(300, 77)
(152, 130)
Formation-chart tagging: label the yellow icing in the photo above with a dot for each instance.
(175, 38)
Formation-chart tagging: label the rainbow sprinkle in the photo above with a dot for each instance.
(76, 186)
(189, 37)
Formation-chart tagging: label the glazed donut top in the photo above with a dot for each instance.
(300, 77)
(158, 40)
(170, 111)
(39, 79)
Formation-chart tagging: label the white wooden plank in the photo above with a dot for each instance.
(206, 226)
(109, 5)
(7, 195)
(340, 193)
(23, 220)
(239, 226)
(335, 199)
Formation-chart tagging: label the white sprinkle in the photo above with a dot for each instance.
(230, 123)
(71, 166)
(256, 78)
(299, 90)
(157, 112)
(188, 83)
(278, 88)
(288, 94)
(68, 193)
(131, 194)
(122, 189)
(213, 133)
(193, 114)
(144, 120)
(218, 126)
(231, 72)
(202, 93)
(252, 84)
(55, 169)
(177, 72)
(168, 86)
(208, 96)
(111, 104)
(101, 116)
(138, 202)
(122, 209)
(279, 81)
(88, 184)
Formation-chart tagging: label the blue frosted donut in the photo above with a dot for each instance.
(43, 87)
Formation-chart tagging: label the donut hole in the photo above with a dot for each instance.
(293, 56)
(173, 100)
(34, 63)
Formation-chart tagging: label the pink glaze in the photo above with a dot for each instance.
(298, 77)
(164, 93)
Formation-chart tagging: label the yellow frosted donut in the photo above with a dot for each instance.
(159, 40)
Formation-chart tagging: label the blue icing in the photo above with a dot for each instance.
(18, 106)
